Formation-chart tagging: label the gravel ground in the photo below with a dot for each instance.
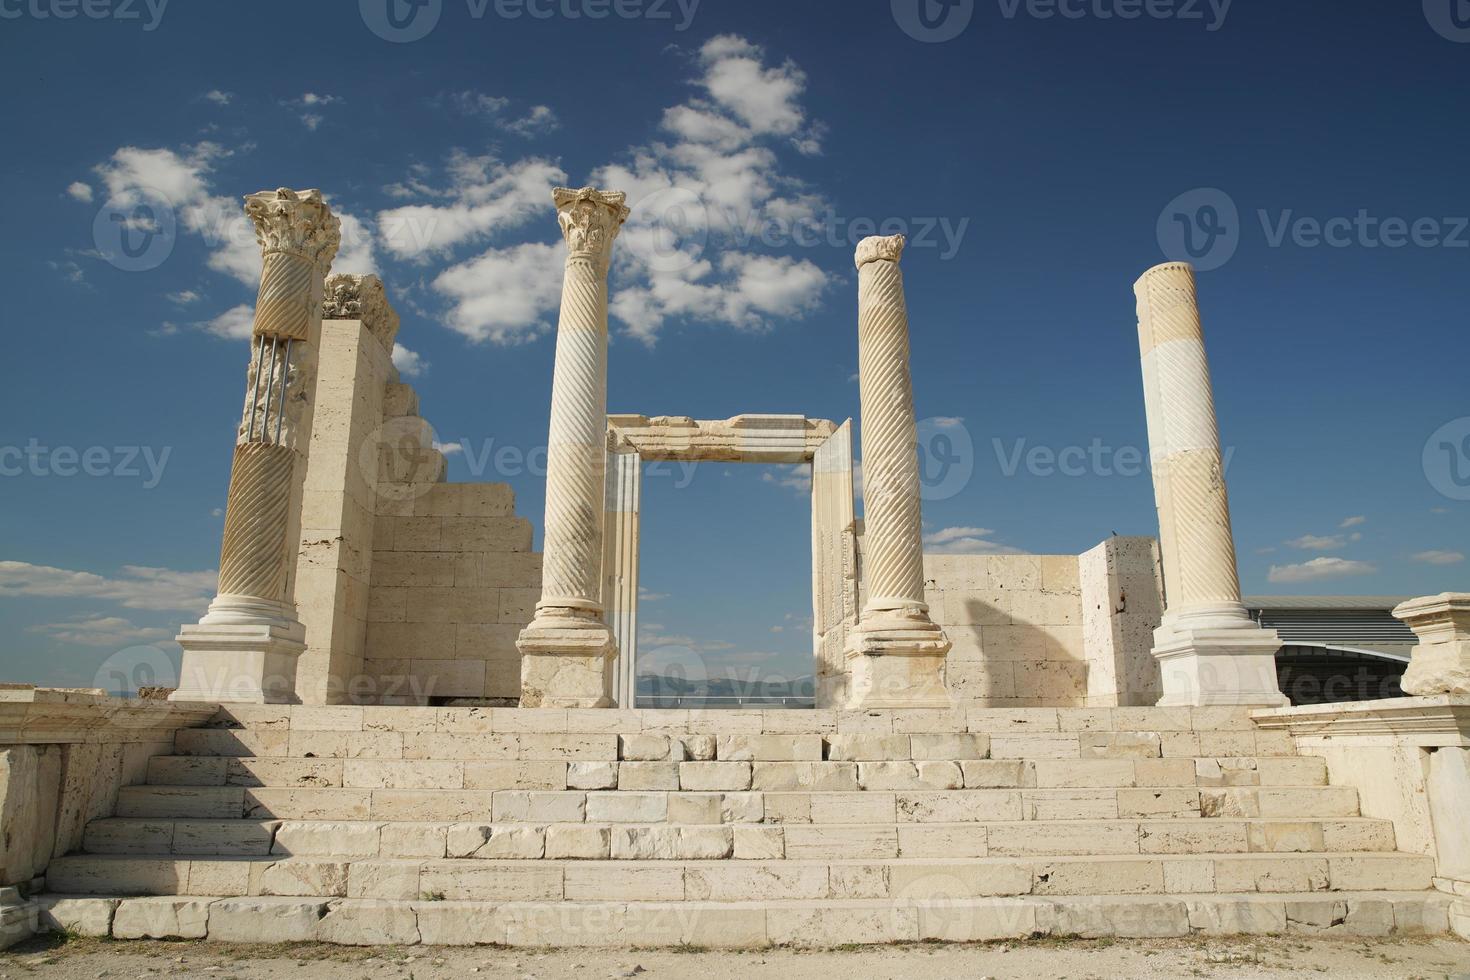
(1278, 959)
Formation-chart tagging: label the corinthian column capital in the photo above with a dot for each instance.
(879, 249)
(590, 220)
(295, 223)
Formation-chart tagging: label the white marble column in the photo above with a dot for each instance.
(246, 646)
(896, 654)
(566, 649)
(1209, 649)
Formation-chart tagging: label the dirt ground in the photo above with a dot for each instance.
(1244, 958)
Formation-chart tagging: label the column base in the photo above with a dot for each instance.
(566, 662)
(1204, 667)
(897, 664)
(240, 664)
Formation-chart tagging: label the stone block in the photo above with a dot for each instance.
(580, 842)
(950, 746)
(89, 917)
(769, 748)
(759, 843)
(369, 923)
(626, 807)
(648, 776)
(868, 748)
(265, 920)
(592, 775)
(495, 841)
(809, 776)
(715, 776)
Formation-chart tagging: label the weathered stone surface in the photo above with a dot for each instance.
(161, 918)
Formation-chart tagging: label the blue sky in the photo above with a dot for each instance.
(1040, 158)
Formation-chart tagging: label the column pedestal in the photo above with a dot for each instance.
(240, 663)
(897, 661)
(1440, 664)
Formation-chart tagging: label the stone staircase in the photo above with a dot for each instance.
(735, 828)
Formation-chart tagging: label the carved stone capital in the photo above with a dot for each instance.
(295, 223)
(362, 298)
(887, 248)
(590, 220)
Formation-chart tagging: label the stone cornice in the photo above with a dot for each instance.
(349, 297)
(886, 248)
(1441, 719)
(45, 716)
(295, 223)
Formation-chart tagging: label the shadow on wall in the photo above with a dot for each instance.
(1016, 625)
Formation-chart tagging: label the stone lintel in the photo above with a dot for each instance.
(750, 438)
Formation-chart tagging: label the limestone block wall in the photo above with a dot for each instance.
(453, 580)
(1016, 625)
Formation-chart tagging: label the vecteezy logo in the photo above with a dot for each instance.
(1449, 18)
(933, 21)
(400, 21)
(1201, 227)
(136, 234)
(946, 457)
(1447, 459)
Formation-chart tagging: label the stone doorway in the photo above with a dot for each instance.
(824, 445)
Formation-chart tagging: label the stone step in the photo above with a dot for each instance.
(819, 806)
(712, 839)
(707, 924)
(738, 925)
(441, 773)
(739, 881)
(564, 746)
(1212, 721)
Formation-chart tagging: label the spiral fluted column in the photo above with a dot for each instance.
(567, 650)
(246, 646)
(1209, 649)
(896, 655)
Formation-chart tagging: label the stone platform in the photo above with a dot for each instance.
(736, 828)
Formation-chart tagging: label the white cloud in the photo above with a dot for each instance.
(103, 631)
(1353, 521)
(946, 421)
(138, 586)
(535, 121)
(80, 191)
(309, 106)
(71, 272)
(449, 448)
(647, 595)
(486, 197)
(504, 295)
(792, 476)
(1317, 569)
(236, 323)
(766, 100)
(182, 180)
(184, 297)
(965, 541)
(217, 97)
(716, 181)
(1440, 557)
(409, 363)
(1314, 542)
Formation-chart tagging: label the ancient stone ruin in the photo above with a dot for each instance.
(398, 724)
